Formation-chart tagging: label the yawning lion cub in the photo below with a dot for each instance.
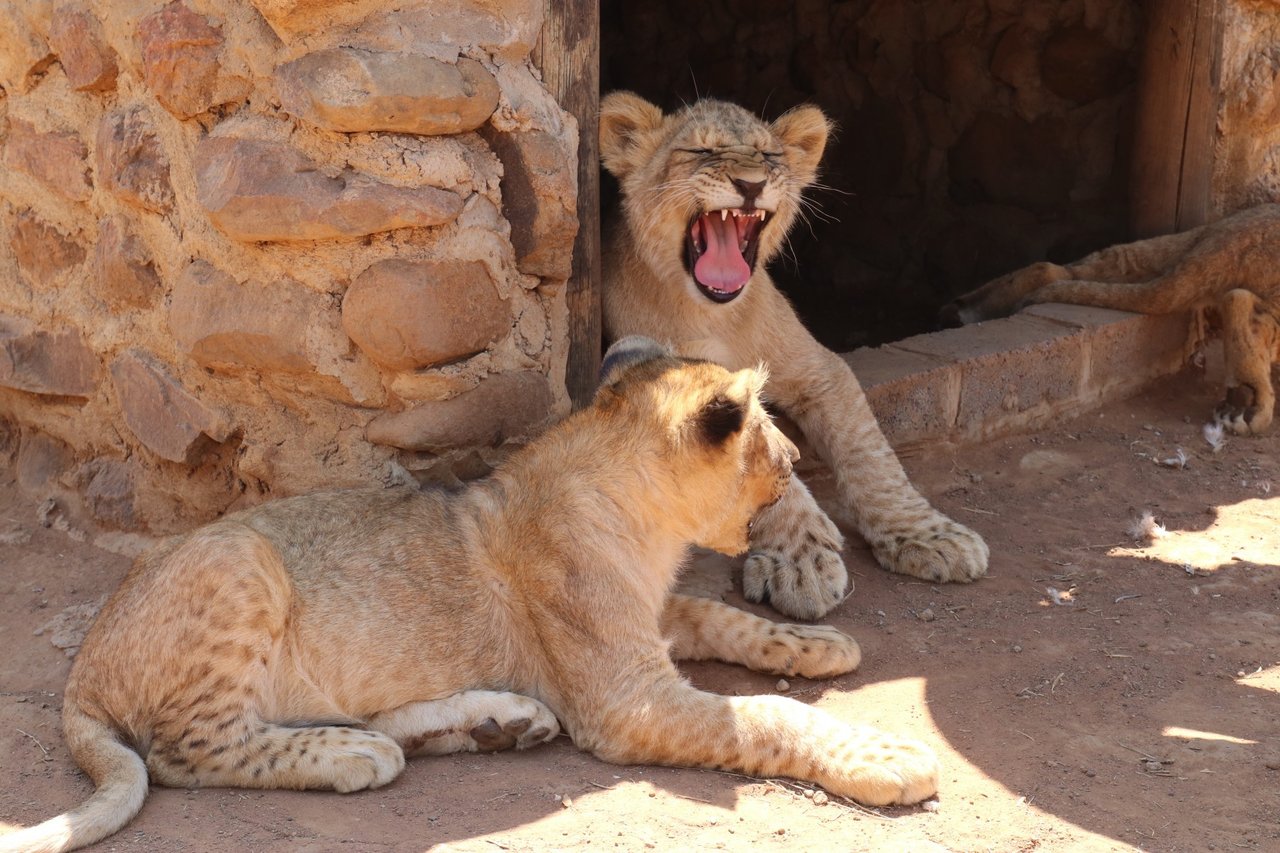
(315, 642)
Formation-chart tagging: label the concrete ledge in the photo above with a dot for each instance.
(1015, 374)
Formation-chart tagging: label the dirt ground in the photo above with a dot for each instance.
(1138, 708)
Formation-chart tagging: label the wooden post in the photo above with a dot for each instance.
(568, 54)
(1177, 111)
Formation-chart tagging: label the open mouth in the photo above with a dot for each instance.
(720, 250)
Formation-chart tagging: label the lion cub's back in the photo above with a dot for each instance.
(322, 533)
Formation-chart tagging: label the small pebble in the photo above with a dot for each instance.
(783, 685)
(808, 795)
(782, 830)
(1090, 773)
(1017, 649)
(930, 805)
(819, 798)
(880, 613)
(565, 801)
(926, 615)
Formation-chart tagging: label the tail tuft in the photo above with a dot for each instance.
(121, 779)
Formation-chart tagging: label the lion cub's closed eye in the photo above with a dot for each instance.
(420, 623)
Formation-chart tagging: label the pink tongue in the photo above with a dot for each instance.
(721, 266)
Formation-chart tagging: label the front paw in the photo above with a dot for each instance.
(1241, 412)
(805, 583)
(944, 551)
(888, 771)
(811, 651)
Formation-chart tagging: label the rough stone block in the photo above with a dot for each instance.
(508, 405)
(351, 90)
(1012, 371)
(279, 329)
(411, 314)
(180, 59)
(539, 199)
(1079, 64)
(87, 60)
(1124, 350)
(506, 30)
(22, 48)
(41, 250)
(124, 273)
(56, 160)
(131, 160)
(109, 493)
(167, 418)
(915, 397)
(228, 326)
(261, 191)
(42, 460)
(52, 363)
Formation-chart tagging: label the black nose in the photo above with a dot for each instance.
(750, 190)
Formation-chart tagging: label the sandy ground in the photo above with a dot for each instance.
(1141, 712)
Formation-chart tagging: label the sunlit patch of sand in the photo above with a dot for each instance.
(1247, 532)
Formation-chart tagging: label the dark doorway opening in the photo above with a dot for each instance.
(975, 136)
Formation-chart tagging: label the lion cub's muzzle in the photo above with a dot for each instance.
(782, 455)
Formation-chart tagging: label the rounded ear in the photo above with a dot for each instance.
(626, 352)
(804, 131)
(720, 418)
(624, 116)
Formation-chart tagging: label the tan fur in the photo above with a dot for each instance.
(672, 168)
(1230, 268)
(314, 642)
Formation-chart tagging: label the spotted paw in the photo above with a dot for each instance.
(946, 552)
(804, 585)
(795, 562)
(886, 770)
(363, 759)
(518, 722)
(1240, 412)
(812, 651)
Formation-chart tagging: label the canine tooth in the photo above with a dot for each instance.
(724, 214)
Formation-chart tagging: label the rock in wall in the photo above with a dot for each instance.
(251, 248)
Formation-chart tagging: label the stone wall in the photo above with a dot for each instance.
(251, 248)
(1247, 153)
(975, 136)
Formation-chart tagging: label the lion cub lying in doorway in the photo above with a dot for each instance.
(1229, 268)
(315, 642)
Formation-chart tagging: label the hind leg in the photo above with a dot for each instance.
(263, 755)
(201, 681)
(1249, 345)
(470, 721)
(1002, 296)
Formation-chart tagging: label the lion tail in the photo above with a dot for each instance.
(121, 779)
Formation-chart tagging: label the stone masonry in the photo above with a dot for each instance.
(251, 248)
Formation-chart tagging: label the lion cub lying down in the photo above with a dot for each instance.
(1229, 268)
(315, 642)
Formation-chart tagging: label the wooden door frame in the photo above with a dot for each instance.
(1175, 127)
(568, 54)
